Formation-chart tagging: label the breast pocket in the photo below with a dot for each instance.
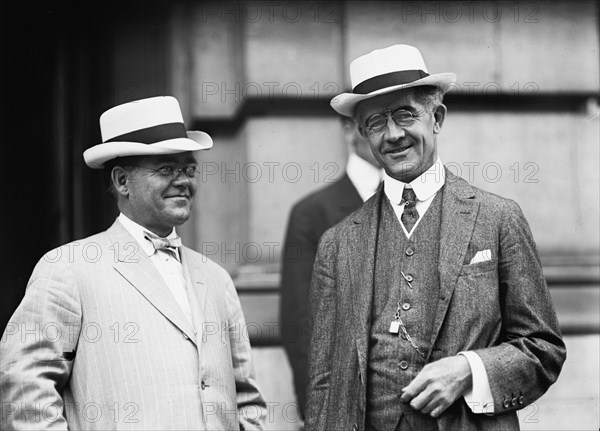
(476, 297)
(479, 268)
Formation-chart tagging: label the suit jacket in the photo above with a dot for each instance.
(99, 342)
(308, 219)
(499, 308)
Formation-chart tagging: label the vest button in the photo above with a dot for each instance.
(409, 251)
(405, 306)
(404, 365)
(202, 385)
(409, 278)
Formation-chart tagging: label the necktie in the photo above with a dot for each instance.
(167, 244)
(171, 269)
(410, 215)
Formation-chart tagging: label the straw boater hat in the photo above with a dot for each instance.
(385, 70)
(145, 127)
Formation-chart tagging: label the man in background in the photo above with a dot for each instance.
(309, 218)
(129, 329)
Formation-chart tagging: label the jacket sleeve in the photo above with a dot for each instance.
(251, 406)
(322, 311)
(298, 258)
(38, 348)
(531, 353)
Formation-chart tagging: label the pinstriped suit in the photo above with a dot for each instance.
(99, 342)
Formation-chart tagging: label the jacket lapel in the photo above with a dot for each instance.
(459, 212)
(133, 264)
(362, 245)
(196, 289)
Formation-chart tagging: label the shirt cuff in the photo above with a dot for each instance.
(479, 398)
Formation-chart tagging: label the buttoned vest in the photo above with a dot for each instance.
(406, 279)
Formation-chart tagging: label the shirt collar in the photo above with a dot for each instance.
(137, 232)
(364, 176)
(425, 185)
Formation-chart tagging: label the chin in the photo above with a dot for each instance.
(403, 169)
(179, 218)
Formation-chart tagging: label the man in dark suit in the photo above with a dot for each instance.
(430, 310)
(309, 218)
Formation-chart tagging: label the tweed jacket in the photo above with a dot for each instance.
(500, 308)
(309, 218)
(99, 342)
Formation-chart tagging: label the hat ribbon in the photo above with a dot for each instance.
(150, 135)
(389, 80)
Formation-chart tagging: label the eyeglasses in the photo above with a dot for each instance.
(171, 172)
(376, 123)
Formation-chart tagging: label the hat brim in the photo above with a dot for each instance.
(96, 156)
(345, 103)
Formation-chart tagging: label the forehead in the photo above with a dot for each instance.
(179, 158)
(402, 99)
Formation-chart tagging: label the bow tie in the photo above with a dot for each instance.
(159, 243)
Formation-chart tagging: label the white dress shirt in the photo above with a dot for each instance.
(479, 398)
(364, 176)
(425, 186)
(168, 266)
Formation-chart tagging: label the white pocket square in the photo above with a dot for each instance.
(481, 256)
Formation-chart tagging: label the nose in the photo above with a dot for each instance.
(178, 174)
(181, 178)
(393, 131)
(184, 183)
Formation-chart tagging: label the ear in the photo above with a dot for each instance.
(362, 131)
(349, 128)
(440, 116)
(359, 122)
(119, 177)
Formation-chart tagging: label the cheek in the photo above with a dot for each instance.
(424, 138)
(374, 144)
(193, 188)
(150, 199)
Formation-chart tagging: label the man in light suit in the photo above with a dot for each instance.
(128, 329)
(309, 218)
(430, 308)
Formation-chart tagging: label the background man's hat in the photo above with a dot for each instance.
(145, 127)
(385, 70)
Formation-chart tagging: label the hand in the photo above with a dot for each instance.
(438, 385)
